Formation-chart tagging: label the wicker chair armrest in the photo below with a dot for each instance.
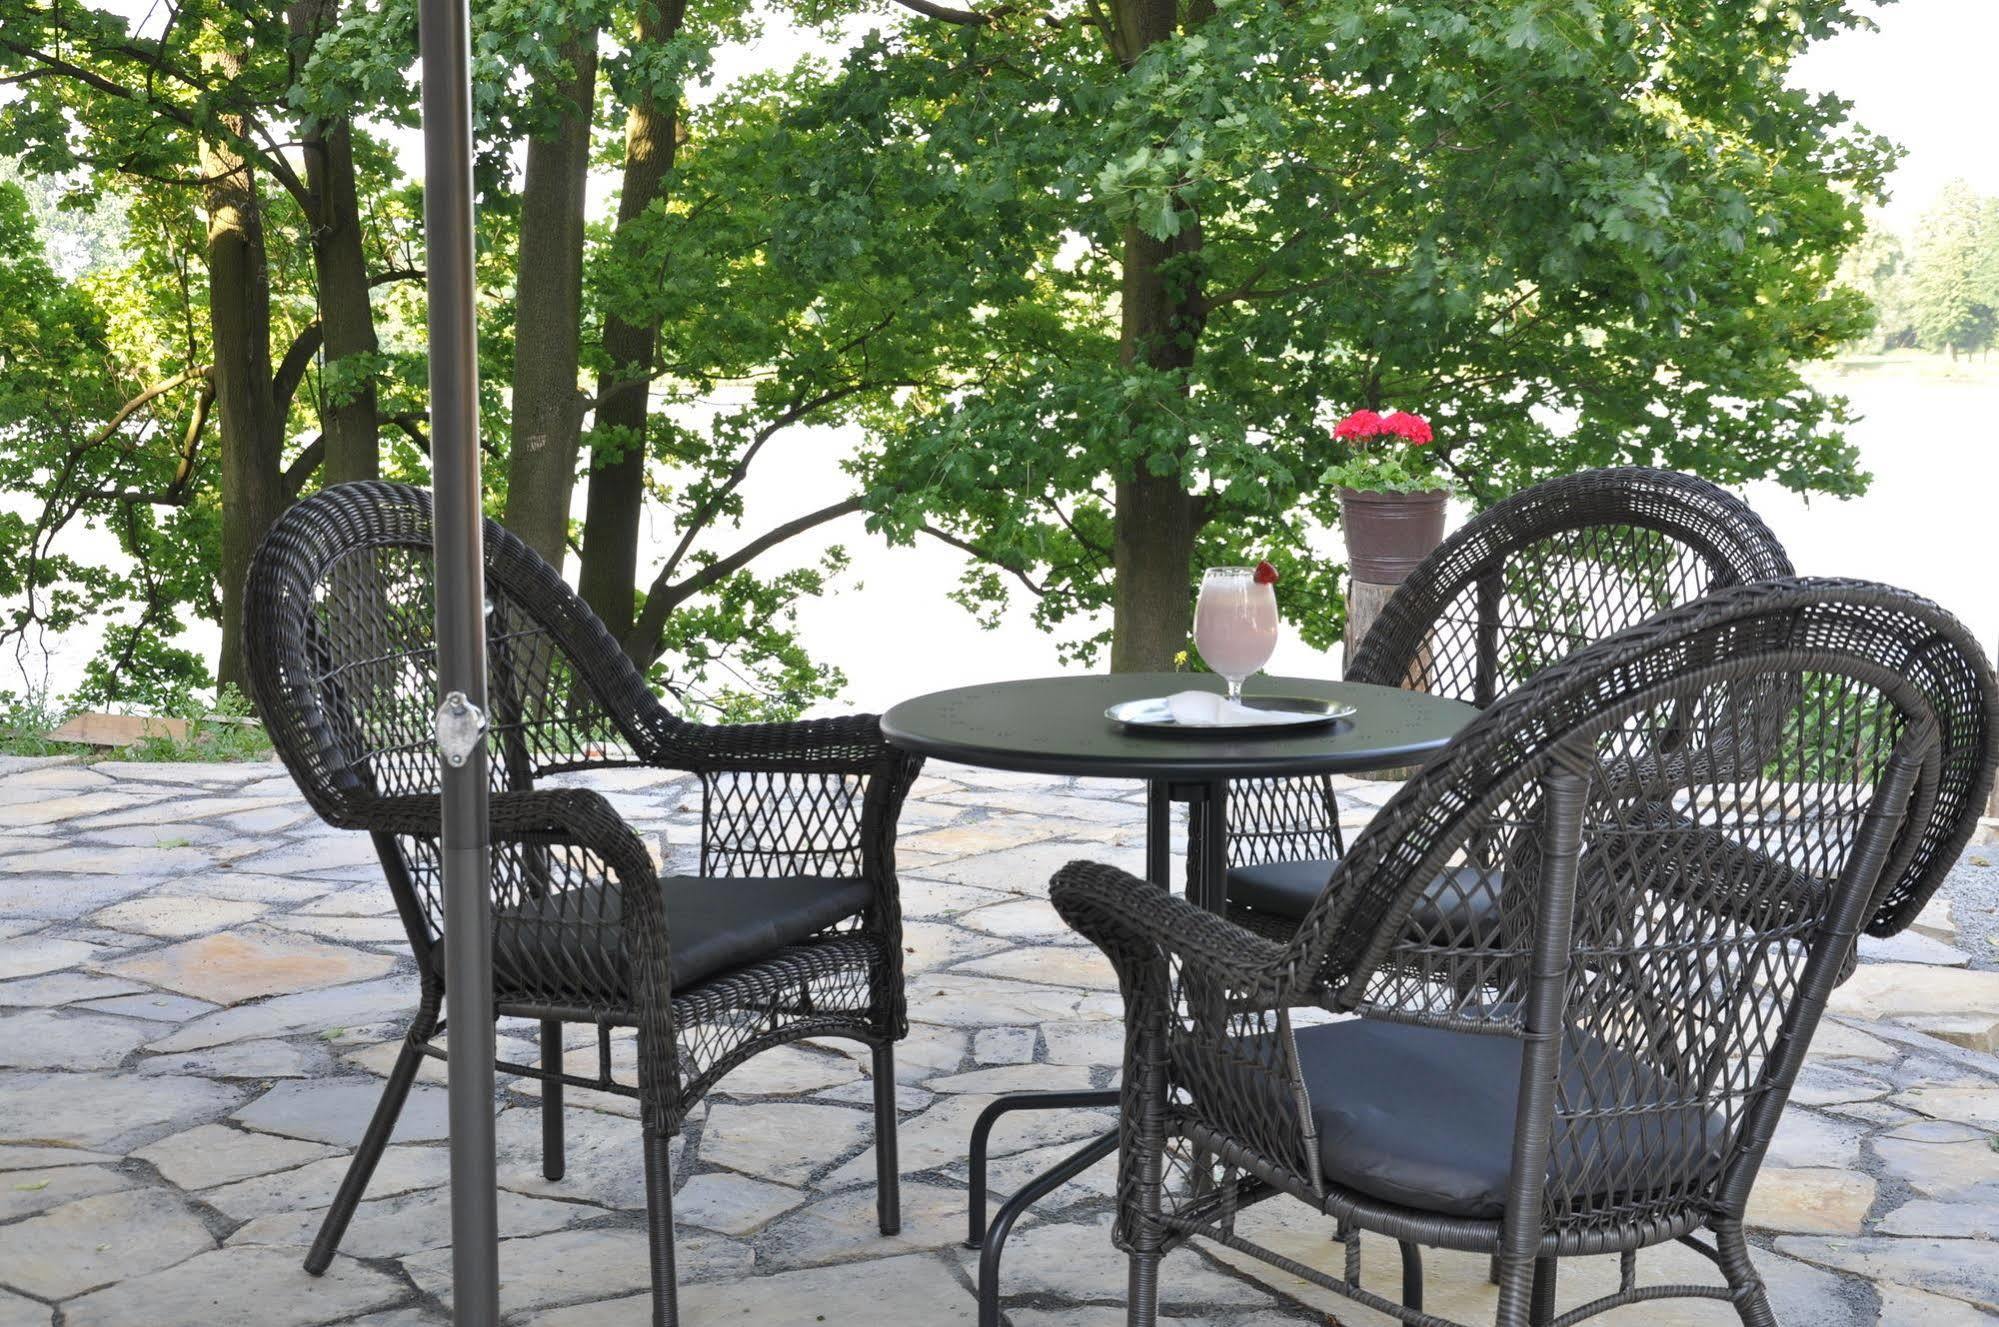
(818, 800)
(849, 744)
(540, 815)
(1135, 923)
(558, 818)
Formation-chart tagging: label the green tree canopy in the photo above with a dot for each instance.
(1570, 234)
(1090, 282)
(1954, 290)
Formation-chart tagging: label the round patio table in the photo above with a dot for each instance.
(1057, 725)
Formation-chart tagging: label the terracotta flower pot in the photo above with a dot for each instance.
(1388, 534)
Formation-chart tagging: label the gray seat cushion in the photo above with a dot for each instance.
(571, 942)
(1423, 1118)
(1462, 903)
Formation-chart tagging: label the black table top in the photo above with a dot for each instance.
(1056, 725)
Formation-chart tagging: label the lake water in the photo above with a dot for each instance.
(1929, 524)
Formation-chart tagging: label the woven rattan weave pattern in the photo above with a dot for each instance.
(1673, 918)
(339, 646)
(1522, 584)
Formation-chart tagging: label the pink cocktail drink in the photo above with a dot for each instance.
(1235, 624)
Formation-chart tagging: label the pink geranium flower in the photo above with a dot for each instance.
(1360, 424)
(1410, 428)
(1401, 424)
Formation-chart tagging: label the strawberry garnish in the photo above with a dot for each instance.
(1266, 574)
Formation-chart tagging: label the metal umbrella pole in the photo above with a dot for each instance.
(445, 37)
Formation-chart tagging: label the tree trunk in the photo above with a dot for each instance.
(548, 305)
(1152, 611)
(616, 499)
(347, 321)
(239, 311)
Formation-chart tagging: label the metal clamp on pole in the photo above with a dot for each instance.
(461, 726)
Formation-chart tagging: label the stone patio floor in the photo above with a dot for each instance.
(201, 987)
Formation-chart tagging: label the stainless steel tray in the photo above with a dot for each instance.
(1282, 711)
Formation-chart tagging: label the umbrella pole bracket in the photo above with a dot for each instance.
(461, 727)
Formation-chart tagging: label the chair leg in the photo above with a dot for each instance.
(1752, 1301)
(1517, 1281)
(888, 1172)
(362, 1168)
(552, 1161)
(1542, 1311)
(1143, 1199)
(1412, 1276)
(659, 1228)
(1143, 1291)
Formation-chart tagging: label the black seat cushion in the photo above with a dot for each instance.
(1423, 1117)
(570, 942)
(1462, 903)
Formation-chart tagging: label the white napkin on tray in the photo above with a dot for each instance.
(1208, 709)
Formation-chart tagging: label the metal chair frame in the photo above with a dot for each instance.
(342, 666)
(1688, 904)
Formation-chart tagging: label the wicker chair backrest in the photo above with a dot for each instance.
(1523, 583)
(1707, 892)
(1570, 561)
(340, 648)
(1554, 567)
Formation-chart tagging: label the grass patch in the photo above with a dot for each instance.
(221, 730)
(25, 722)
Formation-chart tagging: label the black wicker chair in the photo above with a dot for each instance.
(791, 929)
(1522, 584)
(1604, 1071)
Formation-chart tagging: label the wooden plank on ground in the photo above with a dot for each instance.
(120, 729)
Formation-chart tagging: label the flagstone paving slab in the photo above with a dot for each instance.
(177, 917)
(605, 1164)
(897, 1290)
(38, 954)
(1004, 1046)
(1810, 1200)
(19, 1156)
(1939, 1158)
(401, 1170)
(1971, 1218)
(317, 1013)
(250, 962)
(214, 1154)
(236, 1102)
(1957, 1005)
(274, 891)
(568, 1266)
(244, 1285)
(845, 1226)
(96, 1241)
(38, 1037)
(20, 1311)
(244, 1059)
(732, 1204)
(409, 1223)
(780, 1141)
(106, 1110)
(338, 1112)
(127, 863)
(60, 988)
(1976, 1104)
(1902, 1307)
(1954, 1268)
(153, 1006)
(25, 1192)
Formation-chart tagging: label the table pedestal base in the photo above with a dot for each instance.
(1207, 886)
